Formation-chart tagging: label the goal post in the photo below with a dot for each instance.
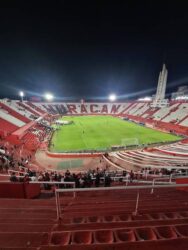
(129, 142)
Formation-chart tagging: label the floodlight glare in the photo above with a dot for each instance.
(21, 93)
(49, 97)
(112, 97)
(145, 99)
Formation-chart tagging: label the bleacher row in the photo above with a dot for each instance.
(107, 221)
(97, 226)
(171, 156)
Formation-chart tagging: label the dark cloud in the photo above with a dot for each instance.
(90, 49)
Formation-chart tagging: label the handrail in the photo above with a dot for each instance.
(124, 179)
(114, 178)
(57, 191)
(15, 171)
(157, 179)
(54, 182)
(162, 178)
(120, 187)
(46, 182)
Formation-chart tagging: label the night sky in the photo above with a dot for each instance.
(90, 49)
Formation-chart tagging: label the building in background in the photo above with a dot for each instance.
(159, 98)
(180, 94)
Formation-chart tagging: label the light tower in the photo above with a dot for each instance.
(21, 94)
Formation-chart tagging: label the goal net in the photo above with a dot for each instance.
(129, 142)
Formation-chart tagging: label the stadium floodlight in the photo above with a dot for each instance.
(145, 99)
(49, 97)
(182, 97)
(21, 94)
(112, 97)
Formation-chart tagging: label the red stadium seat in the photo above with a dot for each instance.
(60, 238)
(182, 230)
(103, 236)
(82, 237)
(145, 234)
(166, 232)
(124, 235)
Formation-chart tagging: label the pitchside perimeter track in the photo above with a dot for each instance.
(101, 133)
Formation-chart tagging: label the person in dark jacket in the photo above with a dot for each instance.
(13, 177)
(107, 181)
(97, 180)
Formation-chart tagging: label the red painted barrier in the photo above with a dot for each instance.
(73, 155)
(32, 190)
(182, 181)
(19, 190)
(12, 190)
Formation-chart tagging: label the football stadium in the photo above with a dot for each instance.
(94, 175)
(80, 168)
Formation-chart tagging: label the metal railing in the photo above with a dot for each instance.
(65, 183)
(164, 178)
(58, 191)
(16, 171)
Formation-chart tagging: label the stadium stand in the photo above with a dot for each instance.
(6, 127)
(26, 107)
(93, 219)
(175, 115)
(10, 118)
(40, 111)
(160, 222)
(14, 113)
(13, 105)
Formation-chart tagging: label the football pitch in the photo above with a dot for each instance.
(102, 132)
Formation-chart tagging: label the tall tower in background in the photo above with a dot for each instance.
(161, 87)
(159, 99)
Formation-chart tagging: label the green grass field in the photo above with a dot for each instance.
(101, 132)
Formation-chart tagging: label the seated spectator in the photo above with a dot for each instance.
(26, 178)
(97, 180)
(47, 178)
(33, 178)
(40, 177)
(107, 181)
(13, 177)
(131, 176)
